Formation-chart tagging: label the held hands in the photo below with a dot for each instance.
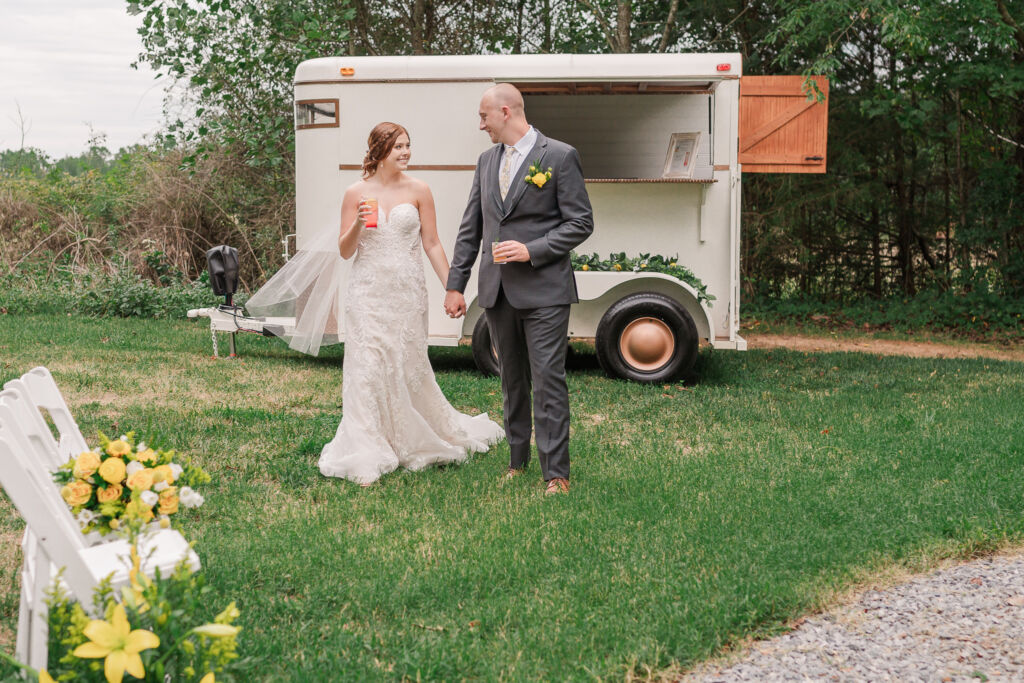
(454, 304)
(510, 250)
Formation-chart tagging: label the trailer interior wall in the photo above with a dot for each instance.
(624, 136)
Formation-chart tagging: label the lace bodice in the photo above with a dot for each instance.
(388, 267)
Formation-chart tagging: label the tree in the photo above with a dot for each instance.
(944, 79)
(237, 60)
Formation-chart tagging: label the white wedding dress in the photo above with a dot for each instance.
(394, 414)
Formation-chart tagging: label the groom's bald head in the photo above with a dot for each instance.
(503, 114)
(506, 95)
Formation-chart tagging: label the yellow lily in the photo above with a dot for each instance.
(45, 677)
(208, 678)
(118, 644)
(217, 630)
(138, 581)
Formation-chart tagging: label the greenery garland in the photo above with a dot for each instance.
(646, 263)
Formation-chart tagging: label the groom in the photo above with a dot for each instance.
(536, 221)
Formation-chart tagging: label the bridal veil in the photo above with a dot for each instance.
(308, 288)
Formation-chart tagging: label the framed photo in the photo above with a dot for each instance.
(682, 155)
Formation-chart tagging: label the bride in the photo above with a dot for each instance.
(394, 412)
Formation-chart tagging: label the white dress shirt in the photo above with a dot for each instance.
(522, 148)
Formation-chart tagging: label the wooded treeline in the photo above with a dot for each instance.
(926, 125)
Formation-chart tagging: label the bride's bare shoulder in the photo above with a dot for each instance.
(419, 188)
(355, 189)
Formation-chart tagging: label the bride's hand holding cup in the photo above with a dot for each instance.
(367, 215)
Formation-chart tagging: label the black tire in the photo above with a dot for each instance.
(660, 342)
(484, 354)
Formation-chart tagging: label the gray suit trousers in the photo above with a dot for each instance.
(531, 345)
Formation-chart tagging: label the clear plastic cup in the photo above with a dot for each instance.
(494, 257)
(371, 220)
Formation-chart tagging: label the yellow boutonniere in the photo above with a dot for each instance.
(537, 177)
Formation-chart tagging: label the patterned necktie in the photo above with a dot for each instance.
(505, 181)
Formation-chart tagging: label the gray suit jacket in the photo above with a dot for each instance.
(550, 220)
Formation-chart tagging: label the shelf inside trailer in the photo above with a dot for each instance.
(651, 180)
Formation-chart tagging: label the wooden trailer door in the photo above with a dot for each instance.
(780, 130)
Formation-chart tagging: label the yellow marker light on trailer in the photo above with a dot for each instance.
(347, 71)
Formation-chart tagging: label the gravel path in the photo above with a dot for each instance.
(962, 623)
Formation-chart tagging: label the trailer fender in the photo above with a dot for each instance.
(598, 291)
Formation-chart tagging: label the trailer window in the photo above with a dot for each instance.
(316, 114)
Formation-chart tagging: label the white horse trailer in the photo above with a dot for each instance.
(663, 140)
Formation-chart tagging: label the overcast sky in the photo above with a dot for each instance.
(66, 64)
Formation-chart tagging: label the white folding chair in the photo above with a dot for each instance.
(59, 541)
(38, 390)
(35, 571)
(43, 393)
(35, 574)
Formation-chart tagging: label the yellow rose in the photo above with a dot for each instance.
(114, 524)
(86, 465)
(118, 448)
(673, 264)
(112, 470)
(585, 267)
(76, 493)
(148, 455)
(169, 501)
(163, 473)
(142, 480)
(539, 179)
(109, 494)
(618, 267)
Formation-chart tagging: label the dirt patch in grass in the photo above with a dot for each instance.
(887, 347)
(10, 563)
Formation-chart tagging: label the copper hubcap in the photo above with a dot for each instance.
(647, 344)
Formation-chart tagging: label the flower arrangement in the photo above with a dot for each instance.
(155, 633)
(643, 263)
(535, 176)
(123, 483)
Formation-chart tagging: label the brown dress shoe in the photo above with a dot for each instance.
(511, 473)
(557, 485)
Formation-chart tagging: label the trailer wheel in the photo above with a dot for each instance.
(484, 354)
(646, 337)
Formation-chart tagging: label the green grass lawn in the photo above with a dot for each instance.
(700, 514)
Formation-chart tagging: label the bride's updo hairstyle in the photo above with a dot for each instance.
(379, 145)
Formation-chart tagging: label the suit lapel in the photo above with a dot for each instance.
(518, 188)
(494, 173)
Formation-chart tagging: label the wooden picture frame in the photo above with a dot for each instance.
(681, 156)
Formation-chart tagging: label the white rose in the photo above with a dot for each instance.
(133, 467)
(123, 437)
(176, 470)
(189, 498)
(141, 447)
(160, 486)
(149, 498)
